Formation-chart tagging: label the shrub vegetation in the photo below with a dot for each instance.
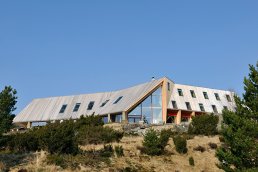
(181, 144)
(204, 125)
(191, 161)
(154, 142)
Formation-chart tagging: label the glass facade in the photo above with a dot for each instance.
(150, 109)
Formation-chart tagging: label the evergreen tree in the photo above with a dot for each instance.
(7, 106)
(239, 151)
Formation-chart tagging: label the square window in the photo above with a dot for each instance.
(63, 108)
(217, 96)
(205, 95)
(192, 93)
(174, 105)
(180, 92)
(76, 107)
(201, 107)
(228, 98)
(188, 106)
(214, 109)
(90, 105)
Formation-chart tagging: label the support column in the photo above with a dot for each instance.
(109, 119)
(124, 118)
(29, 124)
(178, 117)
(192, 115)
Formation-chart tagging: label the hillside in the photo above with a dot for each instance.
(135, 161)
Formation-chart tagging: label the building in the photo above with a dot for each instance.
(157, 101)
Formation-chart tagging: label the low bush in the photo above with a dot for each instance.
(181, 144)
(62, 138)
(154, 143)
(199, 148)
(213, 145)
(59, 138)
(87, 158)
(107, 151)
(98, 134)
(119, 151)
(191, 161)
(24, 142)
(204, 125)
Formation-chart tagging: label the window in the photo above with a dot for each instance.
(217, 96)
(192, 93)
(174, 105)
(104, 103)
(201, 107)
(168, 86)
(90, 105)
(180, 92)
(214, 109)
(63, 108)
(225, 107)
(188, 106)
(228, 98)
(76, 107)
(205, 95)
(117, 100)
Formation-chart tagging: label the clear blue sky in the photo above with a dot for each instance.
(54, 48)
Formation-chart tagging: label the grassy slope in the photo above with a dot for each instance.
(172, 161)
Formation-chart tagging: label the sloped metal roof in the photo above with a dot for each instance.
(47, 109)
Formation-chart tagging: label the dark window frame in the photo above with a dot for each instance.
(214, 108)
(104, 103)
(90, 105)
(217, 96)
(228, 98)
(192, 93)
(205, 95)
(168, 86)
(118, 100)
(188, 106)
(76, 107)
(201, 106)
(63, 108)
(174, 104)
(180, 92)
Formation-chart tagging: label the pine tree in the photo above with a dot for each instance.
(239, 151)
(7, 106)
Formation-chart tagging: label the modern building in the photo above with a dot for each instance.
(157, 101)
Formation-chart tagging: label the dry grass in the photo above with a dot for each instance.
(172, 161)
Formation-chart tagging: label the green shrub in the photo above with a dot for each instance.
(107, 151)
(62, 138)
(191, 161)
(151, 143)
(119, 151)
(24, 142)
(180, 143)
(59, 138)
(92, 120)
(204, 125)
(98, 134)
(164, 137)
(154, 143)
